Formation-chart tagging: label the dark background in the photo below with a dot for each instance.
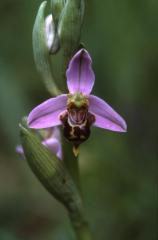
(119, 171)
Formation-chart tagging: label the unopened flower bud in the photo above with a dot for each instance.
(57, 8)
(44, 42)
(70, 26)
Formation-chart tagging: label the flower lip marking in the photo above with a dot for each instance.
(75, 132)
(78, 109)
(77, 116)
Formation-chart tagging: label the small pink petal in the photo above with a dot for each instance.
(20, 151)
(106, 116)
(49, 31)
(54, 145)
(80, 76)
(56, 133)
(47, 113)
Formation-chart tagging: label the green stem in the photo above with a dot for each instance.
(82, 232)
(71, 162)
(70, 37)
(78, 221)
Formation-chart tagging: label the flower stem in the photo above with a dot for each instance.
(78, 221)
(82, 232)
(72, 163)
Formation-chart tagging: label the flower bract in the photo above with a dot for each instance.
(51, 140)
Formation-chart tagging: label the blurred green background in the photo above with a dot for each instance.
(119, 171)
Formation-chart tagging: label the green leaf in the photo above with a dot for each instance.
(41, 51)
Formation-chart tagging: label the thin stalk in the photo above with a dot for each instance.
(82, 232)
(71, 162)
(78, 220)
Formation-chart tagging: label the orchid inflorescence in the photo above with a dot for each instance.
(76, 111)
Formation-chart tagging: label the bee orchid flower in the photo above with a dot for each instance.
(78, 110)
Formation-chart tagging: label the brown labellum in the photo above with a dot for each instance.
(77, 122)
